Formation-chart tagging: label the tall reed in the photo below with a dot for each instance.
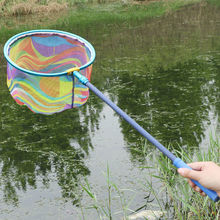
(174, 199)
(186, 203)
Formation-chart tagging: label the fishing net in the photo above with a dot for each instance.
(39, 70)
(43, 74)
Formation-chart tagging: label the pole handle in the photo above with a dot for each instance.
(210, 193)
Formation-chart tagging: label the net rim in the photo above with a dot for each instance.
(44, 31)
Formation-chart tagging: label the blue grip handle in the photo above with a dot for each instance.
(210, 193)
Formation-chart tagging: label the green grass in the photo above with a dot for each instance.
(102, 208)
(181, 201)
(214, 2)
(186, 203)
(88, 10)
(85, 14)
(118, 13)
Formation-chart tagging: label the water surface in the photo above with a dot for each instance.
(163, 72)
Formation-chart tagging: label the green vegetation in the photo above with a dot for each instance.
(116, 10)
(24, 7)
(20, 15)
(214, 2)
(186, 203)
(181, 202)
(41, 149)
(66, 15)
(119, 13)
(79, 16)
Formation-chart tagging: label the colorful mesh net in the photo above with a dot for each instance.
(37, 70)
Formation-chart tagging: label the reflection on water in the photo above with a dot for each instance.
(33, 145)
(164, 73)
(173, 104)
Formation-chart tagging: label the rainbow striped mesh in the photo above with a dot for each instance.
(37, 67)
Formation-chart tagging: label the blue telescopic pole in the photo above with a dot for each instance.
(135, 125)
(176, 161)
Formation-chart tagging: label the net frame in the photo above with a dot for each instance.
(15, 38)
(60, 90)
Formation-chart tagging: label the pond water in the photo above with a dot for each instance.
(164, 73)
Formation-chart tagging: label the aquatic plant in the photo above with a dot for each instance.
(184, 203)
(173, 200)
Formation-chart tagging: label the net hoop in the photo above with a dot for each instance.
(52, 32)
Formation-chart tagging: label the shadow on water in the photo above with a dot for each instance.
(164, 73)
(33, 145)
